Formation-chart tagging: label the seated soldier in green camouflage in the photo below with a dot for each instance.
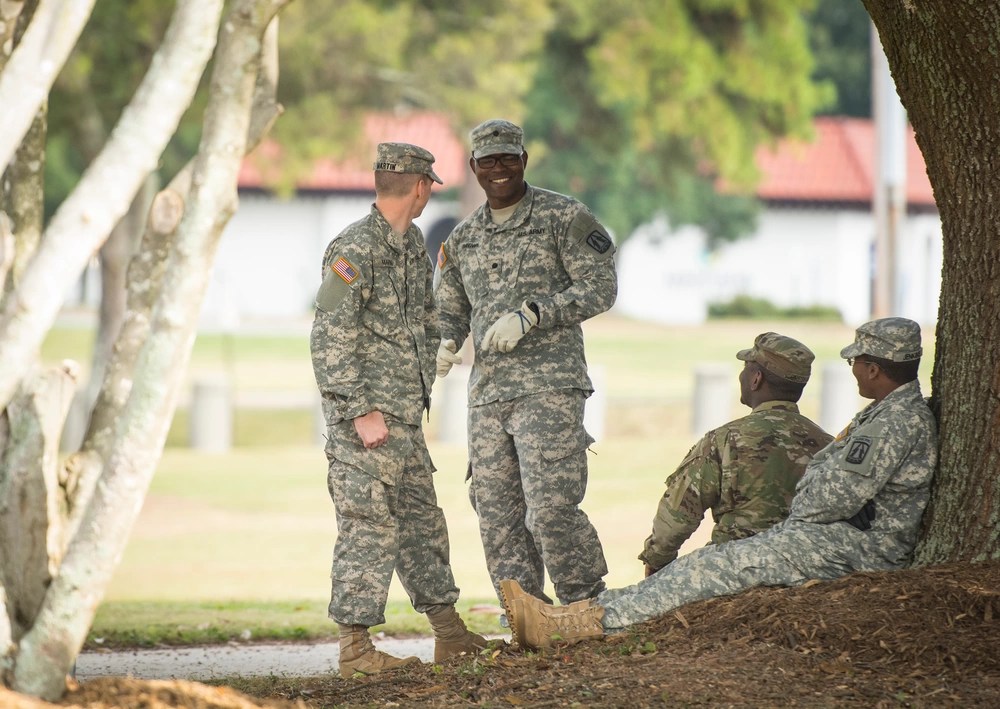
(745, 471)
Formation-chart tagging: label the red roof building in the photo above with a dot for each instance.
(837, 166)
(354, 174)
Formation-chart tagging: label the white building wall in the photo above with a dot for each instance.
(797, 257)
(269, 258)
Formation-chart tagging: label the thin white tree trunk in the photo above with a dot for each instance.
(32, 497)
(34, 65)
(47, 652)
(107, 188)
(144, 282)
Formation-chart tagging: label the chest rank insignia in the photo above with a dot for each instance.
(344, 269)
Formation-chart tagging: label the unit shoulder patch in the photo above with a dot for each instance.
(598, 242)
(858, 449)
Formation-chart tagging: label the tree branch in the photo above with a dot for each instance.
(145, 282)
(108, 186)
(34, 65)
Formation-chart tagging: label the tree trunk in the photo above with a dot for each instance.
(104, 193)
(945, 59)
(22, 184)
(144, 282)
(21, 199)
(47, 651)
(32, 497)
(33, 66)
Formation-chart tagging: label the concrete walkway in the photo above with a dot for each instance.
(218, 661)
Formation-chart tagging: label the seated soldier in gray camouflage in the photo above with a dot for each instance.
(857, 508)
(373, 343)
(745, 471)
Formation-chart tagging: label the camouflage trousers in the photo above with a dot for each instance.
(388, 520)
(529, 475)
(788, 554)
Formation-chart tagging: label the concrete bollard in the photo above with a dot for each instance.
(713, 403)
(839, 398)
(210, 424)
(451, 405)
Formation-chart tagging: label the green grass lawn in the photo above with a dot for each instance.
(237, 543)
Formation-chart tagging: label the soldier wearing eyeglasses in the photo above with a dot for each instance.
(520, 275)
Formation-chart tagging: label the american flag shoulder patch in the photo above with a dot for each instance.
(343, 268)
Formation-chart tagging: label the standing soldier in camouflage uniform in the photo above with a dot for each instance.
(857, 508)
(373, 343)
(746, 470)
(521, 273)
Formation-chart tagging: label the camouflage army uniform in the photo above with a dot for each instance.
(527, 441)
(373, 343)
(744, 471)
(887, 455)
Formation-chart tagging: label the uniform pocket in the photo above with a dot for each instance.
(564, 444)
(386, 463)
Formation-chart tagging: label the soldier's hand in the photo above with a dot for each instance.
(507, 331)
(371, 429)
(446, 357)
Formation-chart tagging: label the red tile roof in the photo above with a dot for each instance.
(426, 129)
(837, 166)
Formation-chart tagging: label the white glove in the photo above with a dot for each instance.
(446, 357)
(508, 330)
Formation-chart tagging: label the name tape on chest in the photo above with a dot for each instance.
(343, 268)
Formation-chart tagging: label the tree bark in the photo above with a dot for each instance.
(21, 198)
(32, 68)
(945, 58)
(32, 497)
(22, 184)
(104, 193)
(48, 649)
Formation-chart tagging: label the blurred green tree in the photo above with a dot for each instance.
(840, 38)
(641, 108)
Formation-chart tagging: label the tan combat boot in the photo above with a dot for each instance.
(357, 654)
(451, 637)
(536, 624)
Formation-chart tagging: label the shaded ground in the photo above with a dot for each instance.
(918, 638)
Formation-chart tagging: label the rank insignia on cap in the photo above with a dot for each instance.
(344, 269)
(442, 257)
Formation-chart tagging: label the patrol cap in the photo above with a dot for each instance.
(780, 355)
(496, 137)
(403, 157)
(894, 339)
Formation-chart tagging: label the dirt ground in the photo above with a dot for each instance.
(916, 638)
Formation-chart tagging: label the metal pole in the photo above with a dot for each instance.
(889, 197)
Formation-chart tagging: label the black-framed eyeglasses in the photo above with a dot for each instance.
(852, 360)
(507, 160)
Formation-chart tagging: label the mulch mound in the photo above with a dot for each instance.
(919, 638)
